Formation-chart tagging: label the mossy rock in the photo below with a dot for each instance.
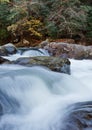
(53, 63)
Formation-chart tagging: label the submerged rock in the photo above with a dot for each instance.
(54, 63)
(68, 50)
(7, 49)
(79, 117)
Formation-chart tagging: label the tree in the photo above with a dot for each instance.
(88, 34)
(68, 17)
(57, 18)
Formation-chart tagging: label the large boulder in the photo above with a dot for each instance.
(54, 63)
(68, 50)
(79, 117)
(7, 49)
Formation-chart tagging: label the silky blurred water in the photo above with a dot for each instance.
(36, 98)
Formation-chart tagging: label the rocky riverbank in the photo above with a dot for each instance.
(66, 50)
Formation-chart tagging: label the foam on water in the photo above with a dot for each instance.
(82, 70)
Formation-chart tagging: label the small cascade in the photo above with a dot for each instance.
(27, 52)
(36, 52)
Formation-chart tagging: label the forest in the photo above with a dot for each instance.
(36, 20)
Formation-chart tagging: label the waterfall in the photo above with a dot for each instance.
(37, 99)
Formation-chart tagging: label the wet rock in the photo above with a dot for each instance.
(54, 63)
(79, 117)
(7, 49)
(66, 50)
(4, 61)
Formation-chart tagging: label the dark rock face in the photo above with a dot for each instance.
(7, 49)
(54, 63)
(79, 117)
(66, 50)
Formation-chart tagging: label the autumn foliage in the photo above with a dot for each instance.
(29, 20)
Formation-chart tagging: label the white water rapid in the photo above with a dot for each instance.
(36, 98)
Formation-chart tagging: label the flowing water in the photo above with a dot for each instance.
(27, 53)
(37, 99)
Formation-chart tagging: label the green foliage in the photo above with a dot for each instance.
(3, 33)
(4, 12)
(88, 10)
(89, 24)
(68, 17)
(52, 30)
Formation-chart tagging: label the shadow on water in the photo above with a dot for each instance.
(8, 104)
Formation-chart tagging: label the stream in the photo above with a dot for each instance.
(35, 98)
